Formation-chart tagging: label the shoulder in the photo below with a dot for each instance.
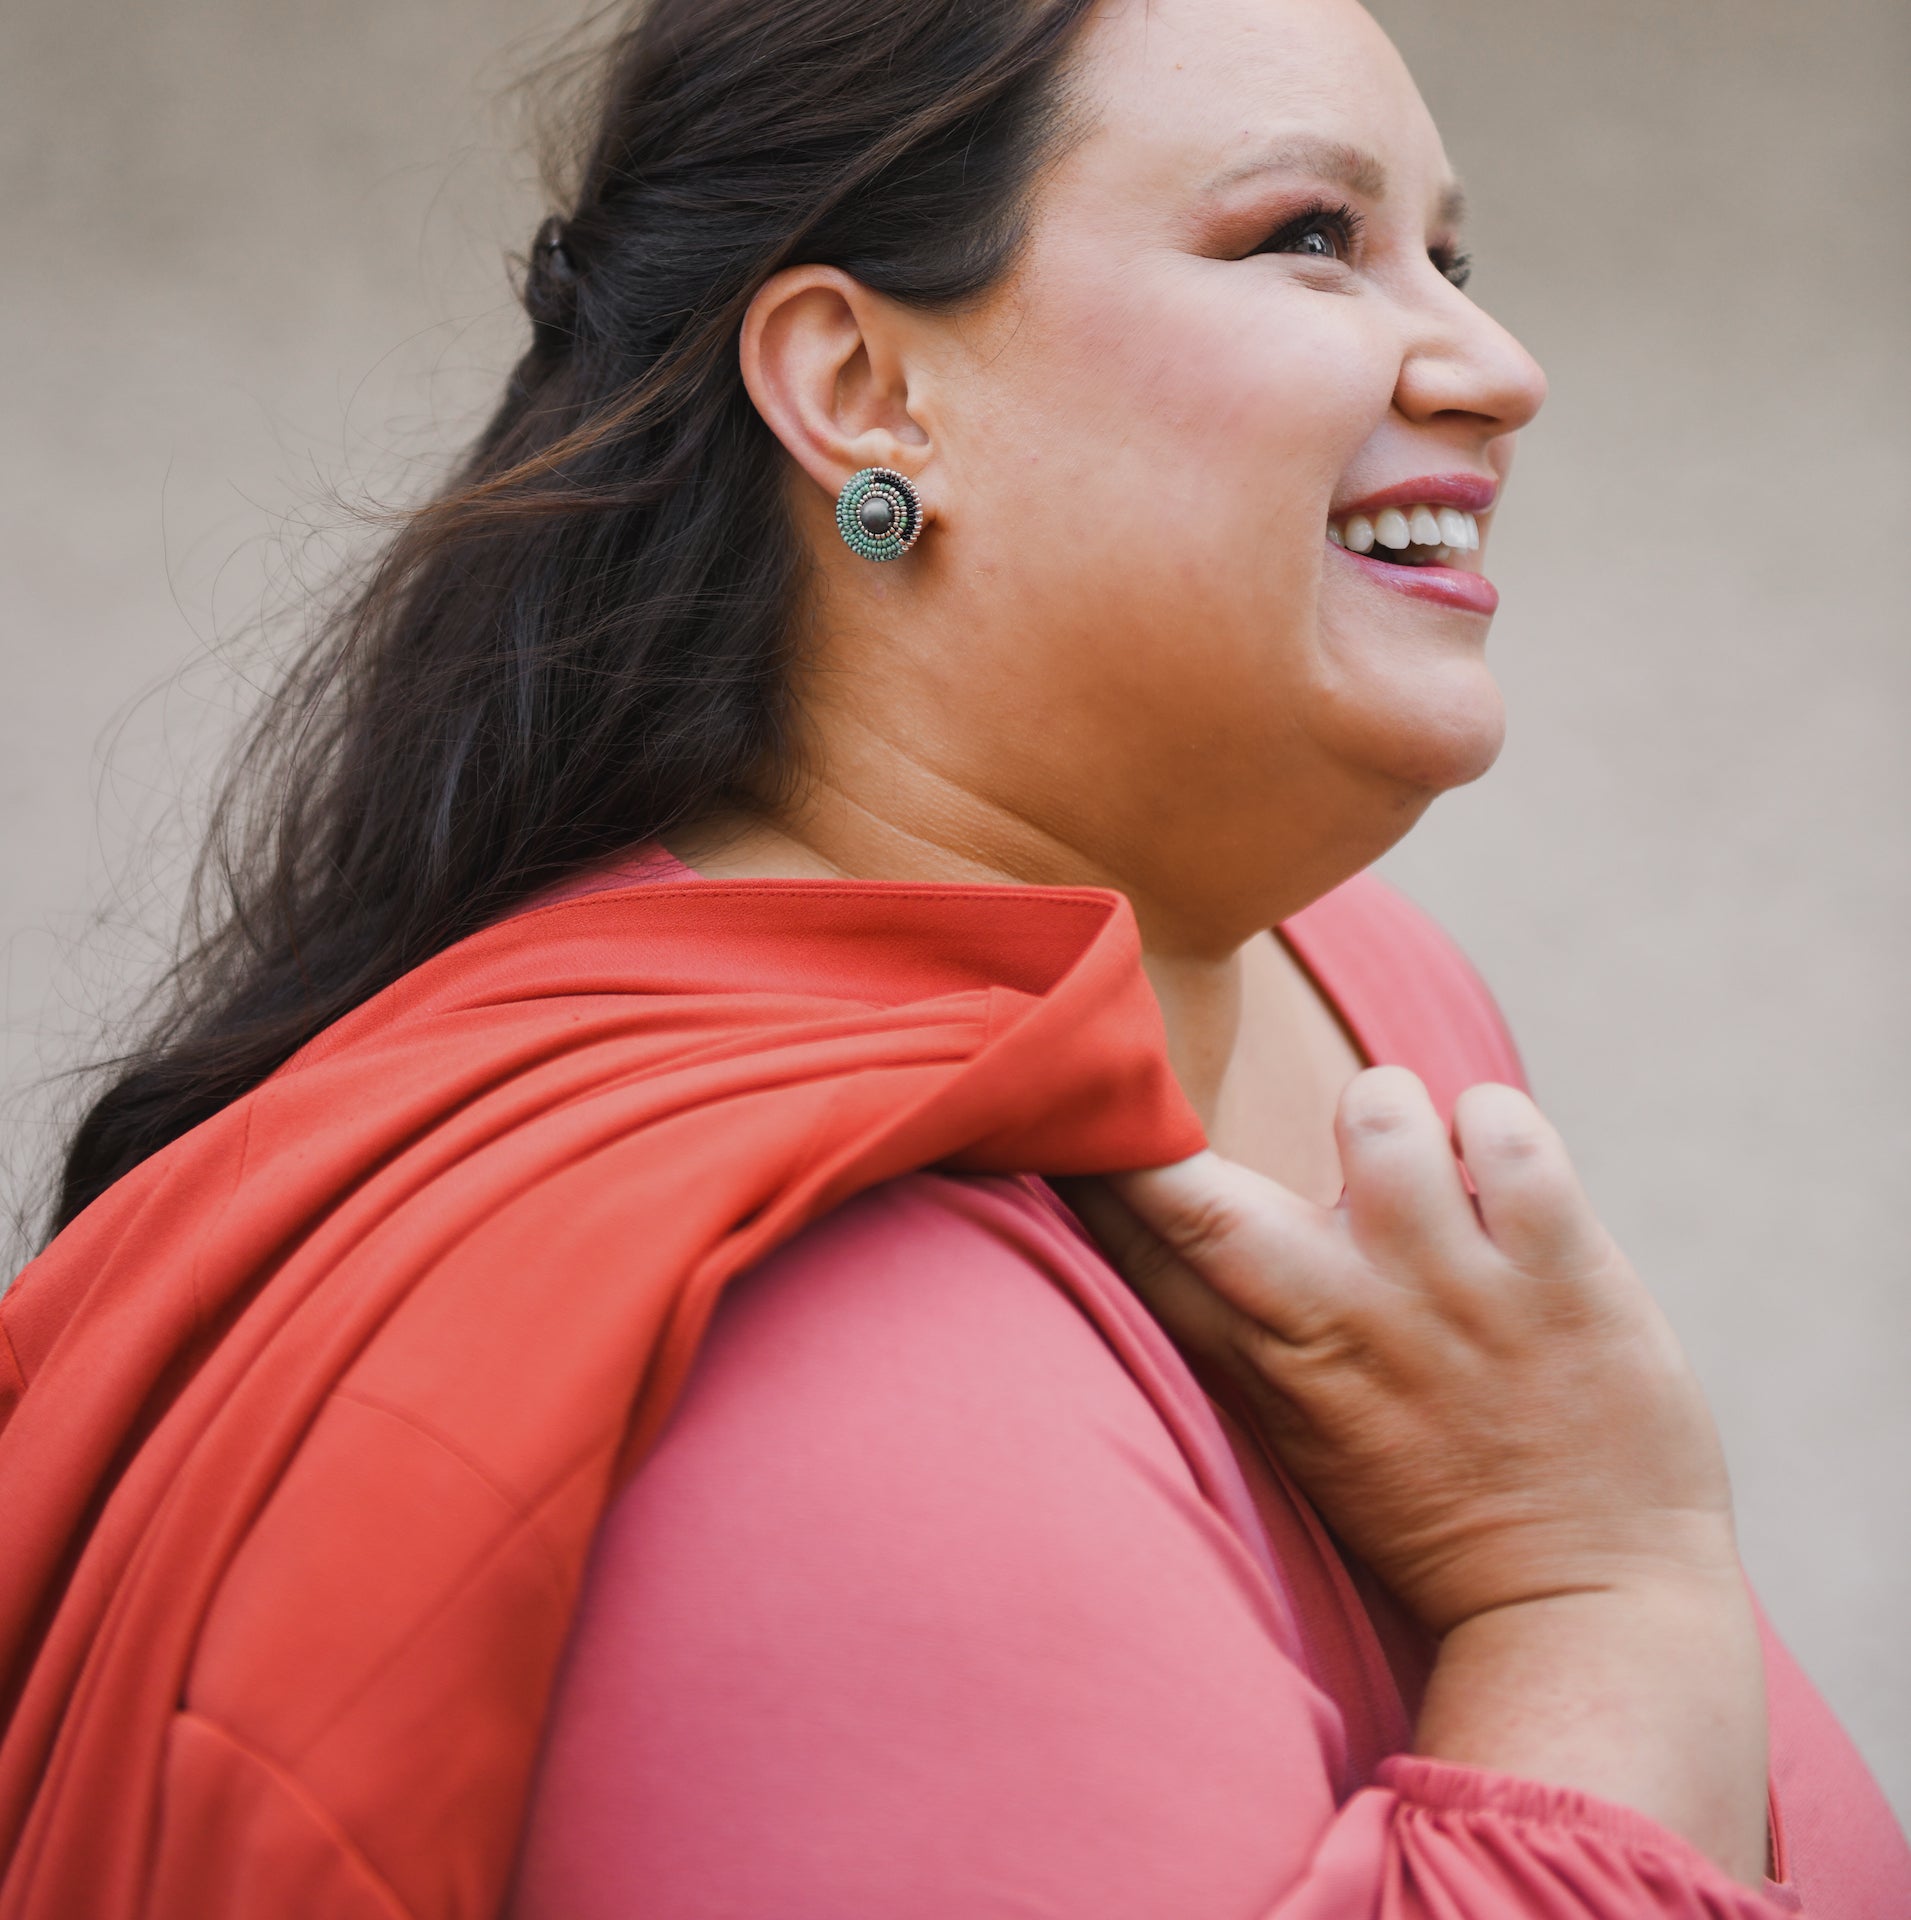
(1410, 995)
(921, 1592)
(965, 1320)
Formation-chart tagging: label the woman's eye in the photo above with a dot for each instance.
(1321, 233)
(1458, 267)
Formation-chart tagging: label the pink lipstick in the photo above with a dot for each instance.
(1417, 536)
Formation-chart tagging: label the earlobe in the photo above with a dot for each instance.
(822, 362)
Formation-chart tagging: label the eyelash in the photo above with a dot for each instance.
(1323, 216)
(1458, 267)
(1347, 225)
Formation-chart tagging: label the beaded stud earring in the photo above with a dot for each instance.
(879, 513)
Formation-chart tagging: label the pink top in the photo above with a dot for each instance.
(1107, 1662)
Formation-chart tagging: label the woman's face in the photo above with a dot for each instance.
(1236, 324)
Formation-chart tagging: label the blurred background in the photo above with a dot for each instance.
(256, 276)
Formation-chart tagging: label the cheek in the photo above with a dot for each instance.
(1150, 468)
(1144, 476)
(1181, 429)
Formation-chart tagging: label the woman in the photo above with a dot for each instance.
(984, 531)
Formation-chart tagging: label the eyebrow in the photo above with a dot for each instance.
(1349, 166)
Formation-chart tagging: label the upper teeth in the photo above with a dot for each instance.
(1398, 527)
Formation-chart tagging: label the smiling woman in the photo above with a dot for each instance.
(563, 1384)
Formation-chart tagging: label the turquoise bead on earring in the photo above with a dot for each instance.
(879, 513)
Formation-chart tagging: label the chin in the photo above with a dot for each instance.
(1411, 702)
(1434, 744)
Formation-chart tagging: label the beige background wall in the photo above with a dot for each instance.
(252, 254)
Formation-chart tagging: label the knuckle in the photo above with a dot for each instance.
(1538, 1187)
(1503, 1122)
(1377, 1120)
(1205, 1226)
(1513, 1145)
(1383, 1101)
(1256, 1346)
(1148, 1265)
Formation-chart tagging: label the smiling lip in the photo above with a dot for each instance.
(1447, 586)
(1465, 492)
(1444, 586)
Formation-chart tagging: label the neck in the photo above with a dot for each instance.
(1199, 994)
(1201, 1013)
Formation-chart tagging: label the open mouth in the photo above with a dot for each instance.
(1420, 536)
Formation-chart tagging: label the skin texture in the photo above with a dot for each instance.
(1131, 450)
(1123, 653)
(1488, 1406)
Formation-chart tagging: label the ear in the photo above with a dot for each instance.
(825, 362)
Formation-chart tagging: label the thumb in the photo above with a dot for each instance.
(1193, 1315)
(1270, 1254)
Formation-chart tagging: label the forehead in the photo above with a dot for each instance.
(1188, 92)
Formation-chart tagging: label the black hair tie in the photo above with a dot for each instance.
(550, 286)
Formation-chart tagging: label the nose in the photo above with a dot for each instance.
(1461, 362)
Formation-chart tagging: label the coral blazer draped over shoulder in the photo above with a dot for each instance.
(308, 1424)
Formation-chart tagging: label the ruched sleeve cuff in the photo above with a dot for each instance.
(1469, 1838)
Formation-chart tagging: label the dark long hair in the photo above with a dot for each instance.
(585, 639)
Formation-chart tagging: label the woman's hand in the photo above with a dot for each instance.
(1487, 1406)
(1483, 1401)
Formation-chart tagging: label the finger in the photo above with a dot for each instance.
(1405, 1197)
(1276, 1257)
(1120, 1233)
(1531, 1202)
(1194, 1315)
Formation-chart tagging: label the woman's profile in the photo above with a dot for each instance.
(809, 1244)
